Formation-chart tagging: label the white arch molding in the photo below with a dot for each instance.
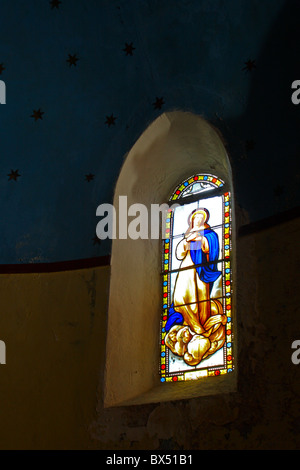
(175, 146)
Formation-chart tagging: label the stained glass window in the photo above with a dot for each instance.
(196, 322)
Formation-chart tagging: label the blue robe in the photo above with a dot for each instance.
(208, 273)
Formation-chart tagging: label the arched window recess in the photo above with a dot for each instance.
(175, 151)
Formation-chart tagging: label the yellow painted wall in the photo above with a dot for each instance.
(54, 328)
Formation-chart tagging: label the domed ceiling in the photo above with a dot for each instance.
(85, 78)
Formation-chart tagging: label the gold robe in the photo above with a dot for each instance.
(203, 316)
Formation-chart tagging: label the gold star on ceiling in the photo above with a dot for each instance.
(13, 175)
(110, 120)
(72, 60)
(89, 177)
(55, 3)
(96, 240)
(37, 114)
(158, 103)
(129, 48)
(249, 65)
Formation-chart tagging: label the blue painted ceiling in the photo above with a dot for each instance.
(85, 78)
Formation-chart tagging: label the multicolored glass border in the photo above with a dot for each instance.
(213, 180)
(227, 286)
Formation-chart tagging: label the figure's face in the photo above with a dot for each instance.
(198, 220)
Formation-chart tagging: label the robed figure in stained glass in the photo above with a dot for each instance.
(196, 323)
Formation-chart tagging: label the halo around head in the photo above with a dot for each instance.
(201, 211)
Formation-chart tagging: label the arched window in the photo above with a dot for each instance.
(175, 146)
(196, 324)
